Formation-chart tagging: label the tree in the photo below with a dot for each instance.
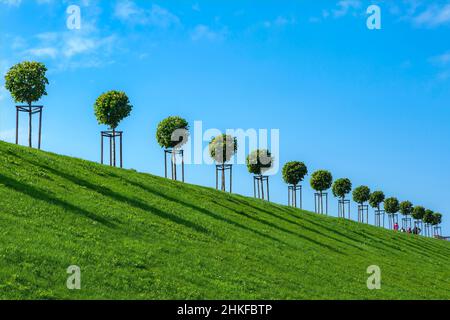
(406, 208)
(222, 148)
(341, 188)
(391, 205)
(361, 194)
(376, 199)
(258, 161)
(294, 172)
(27, 83)
(428, 217)
(172, 132)
(418, 212)
(321, 180)
(110, 108)
(437, 219)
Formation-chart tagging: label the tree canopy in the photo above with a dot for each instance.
(259, 161)
(26, 81)
(406, 208)
(361, 194)
(391, 205)
(172, 132)
(437, 219)
(376, 199)
(342, 187)
(321, 180)
(428, 217)
(223, 147)
(418, 212)
(294, 172)
(112, 107)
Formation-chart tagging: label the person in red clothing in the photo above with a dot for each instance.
(396, 226)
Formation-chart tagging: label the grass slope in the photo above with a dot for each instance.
(137, 236)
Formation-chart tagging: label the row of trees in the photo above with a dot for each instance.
(27, 83)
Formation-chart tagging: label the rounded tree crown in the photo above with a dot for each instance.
(223, 147)
(26, 82)
(406, 208)
(418, 212)
(391, 205)
(437, 219)
(259, 161)
(376, 198)
(172, 132)
(294, 172)
(321, 180)
(342, 187)
(361, 194)
(428, 217)
(112, 107)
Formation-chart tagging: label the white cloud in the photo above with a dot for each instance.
(345, 7)
(433, 16)
(204, 32)
(128, 11)
(441, 60)
(11, 2)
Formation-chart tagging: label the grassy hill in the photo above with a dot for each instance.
(137, 236)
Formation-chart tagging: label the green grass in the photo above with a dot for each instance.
(137, 236)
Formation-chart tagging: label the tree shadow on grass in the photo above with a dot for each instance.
(121, 198)
(200, 209)
(43, 196)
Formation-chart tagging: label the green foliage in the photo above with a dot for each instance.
(223, 147)
(294, 172)
(27, 81)
(437, 219)
(321, 180)
(112, 107)
(406, 208)
(168, 240)
(361, 194)
(391, 205)
(172, 132)
(376, 199)
(342, 187)
(428, 217)
(259, 161)
(418, 212)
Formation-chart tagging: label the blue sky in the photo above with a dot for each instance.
(370, 105)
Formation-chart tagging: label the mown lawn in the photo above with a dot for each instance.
(137, 236)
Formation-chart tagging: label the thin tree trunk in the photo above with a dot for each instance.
(114, 146)
(30, 144)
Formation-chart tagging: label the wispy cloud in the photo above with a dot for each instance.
(128, 11)
(433, 16)
(204, 32)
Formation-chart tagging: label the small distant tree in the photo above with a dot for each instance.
(418, 212)
(173, 133)
(27, 81)
(321, 180)
(391, 205)
(222, 148)
(341, 188)
(110, 109)
(259, 161)
(294, 172)
(361, 194)
(428, 217)
(406, 209)
(376, 199)
(437, 219)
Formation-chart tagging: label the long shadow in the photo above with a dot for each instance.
(121, 198)
(43, 196)
(248, 205)
(200, 209)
